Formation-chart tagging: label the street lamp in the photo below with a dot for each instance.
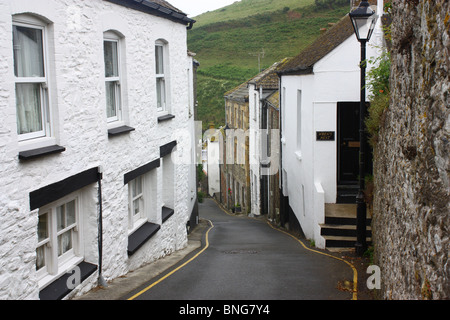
(363, 19)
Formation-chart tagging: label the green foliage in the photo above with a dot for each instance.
(331, 4)
(378, 79)
(229, 44)
(200, 196)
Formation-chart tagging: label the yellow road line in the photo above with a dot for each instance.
(175, 270)
(355, 272)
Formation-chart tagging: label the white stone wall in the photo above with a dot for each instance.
(254, 147)
(335, 78)
(77, 92)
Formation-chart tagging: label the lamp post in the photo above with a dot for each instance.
(363, 19)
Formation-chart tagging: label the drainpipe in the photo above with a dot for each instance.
(101, 280)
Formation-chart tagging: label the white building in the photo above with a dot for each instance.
(96, 139)
(320, 93)
(264, 140)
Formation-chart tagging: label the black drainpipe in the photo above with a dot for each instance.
(101, 280)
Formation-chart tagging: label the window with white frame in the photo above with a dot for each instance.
(58, 237)
(137, 214)
(31, 78)
(161, 75)
(111, 51)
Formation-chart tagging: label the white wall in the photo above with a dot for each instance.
(254, 147)
(78, 104)
(335, 78)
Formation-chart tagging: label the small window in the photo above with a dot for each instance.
(111, 48)
(161, 76)
(58, 236)
(137, 214)
(31, 82)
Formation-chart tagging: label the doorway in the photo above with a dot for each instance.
(347, 151)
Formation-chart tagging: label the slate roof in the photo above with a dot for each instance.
(323, 45)
(268, 79)
(159, 8)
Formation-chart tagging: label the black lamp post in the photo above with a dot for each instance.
(363, 19)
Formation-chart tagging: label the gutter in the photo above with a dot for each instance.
(157, 10)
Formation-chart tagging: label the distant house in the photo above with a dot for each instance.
(320, 93)
(264, 142)
(236, 168)
(97, 169)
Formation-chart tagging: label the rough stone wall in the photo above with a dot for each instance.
(412, 159)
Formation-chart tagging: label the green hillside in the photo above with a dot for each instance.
(232, 43)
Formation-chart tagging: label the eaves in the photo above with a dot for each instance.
(155, 9)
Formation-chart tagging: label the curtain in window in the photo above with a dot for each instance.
(28, 63)
(29, 111)
(28, 52)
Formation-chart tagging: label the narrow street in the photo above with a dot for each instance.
(246, 259)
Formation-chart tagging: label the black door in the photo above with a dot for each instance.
(347, 151)
(348, 142)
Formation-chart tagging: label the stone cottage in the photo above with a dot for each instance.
(96, 157)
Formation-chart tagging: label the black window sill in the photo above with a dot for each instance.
(40, 152)
(119, 131)
(165, 117)
(58, 289)
(166, 213)
(140, 236)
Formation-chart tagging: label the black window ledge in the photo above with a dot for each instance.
(58, 289)
(165, 117)
(119, 131)
(141, 236)
(166, 213)
(40, 152)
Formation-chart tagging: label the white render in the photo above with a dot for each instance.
(309, 172)
(255, 147)
(77, 91)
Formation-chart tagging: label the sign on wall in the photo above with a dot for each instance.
(325, 135)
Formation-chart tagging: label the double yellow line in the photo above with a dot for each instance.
(355, 272)
(178, 268)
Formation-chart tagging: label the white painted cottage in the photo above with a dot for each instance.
(320, 93)
(96, 147)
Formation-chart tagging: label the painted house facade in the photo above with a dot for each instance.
(264, 140)
(235, 159)
(97, 104)
(320, 93)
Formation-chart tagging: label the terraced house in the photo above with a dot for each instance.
(96, 155)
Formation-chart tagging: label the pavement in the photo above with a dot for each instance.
(120, 287)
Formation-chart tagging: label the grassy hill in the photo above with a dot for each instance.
(233, 43)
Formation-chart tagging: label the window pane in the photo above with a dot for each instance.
(40, 257)
(111, 59)
(159, 58)
(43, 227)
(160, 93)
(70, 213)
(138, 185)
(28, 52)
(60, 218)
(64, 242)
(136, 206)
(111, 110)
(29, 109)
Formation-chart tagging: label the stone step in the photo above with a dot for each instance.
(341, 230)
(342, 242)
